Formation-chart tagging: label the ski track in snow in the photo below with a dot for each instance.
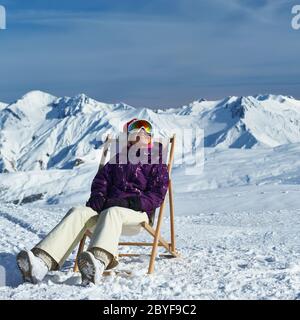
(248, 254)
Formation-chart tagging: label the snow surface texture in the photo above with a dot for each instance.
(237, 223)
(230, 253)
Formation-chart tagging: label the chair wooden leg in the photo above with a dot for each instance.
(80, 249)
(171, 204)
(156, 239)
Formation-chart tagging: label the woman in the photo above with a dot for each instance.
(123, 195)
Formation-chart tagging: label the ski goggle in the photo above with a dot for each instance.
(139, 124)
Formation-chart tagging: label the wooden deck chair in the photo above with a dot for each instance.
(154, 232)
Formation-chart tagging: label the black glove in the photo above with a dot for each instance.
(130, 202)
(134, 203)
(96, 203)
(120, 202)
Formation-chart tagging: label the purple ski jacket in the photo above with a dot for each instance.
(140, 186)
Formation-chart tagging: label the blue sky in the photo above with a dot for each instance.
(157, 53)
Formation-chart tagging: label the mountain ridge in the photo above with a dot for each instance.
(40, 131)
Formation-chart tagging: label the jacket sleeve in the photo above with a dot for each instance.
(101, 181)
(154, 195)
(99, 189)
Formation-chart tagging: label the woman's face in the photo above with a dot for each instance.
(140, 136)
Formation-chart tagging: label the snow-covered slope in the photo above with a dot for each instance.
(235, 243)
(40, 131)
(222, 169)
(236, 225)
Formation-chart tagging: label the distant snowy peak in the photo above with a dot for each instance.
(251, 121)
(31, 102)
(38, 105)
(279, 98)
(197, 107)
(38, 97)
(123, 106)
(39, 102)
(246, 121)
(3, 105)
(41, 131)
(241, 104)
(71, 106)
(32, 106)
(264, 103)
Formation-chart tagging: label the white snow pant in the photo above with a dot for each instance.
(107, 227)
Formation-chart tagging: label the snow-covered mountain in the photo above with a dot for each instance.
(247, 122)
(41, 131)
(2, 105)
